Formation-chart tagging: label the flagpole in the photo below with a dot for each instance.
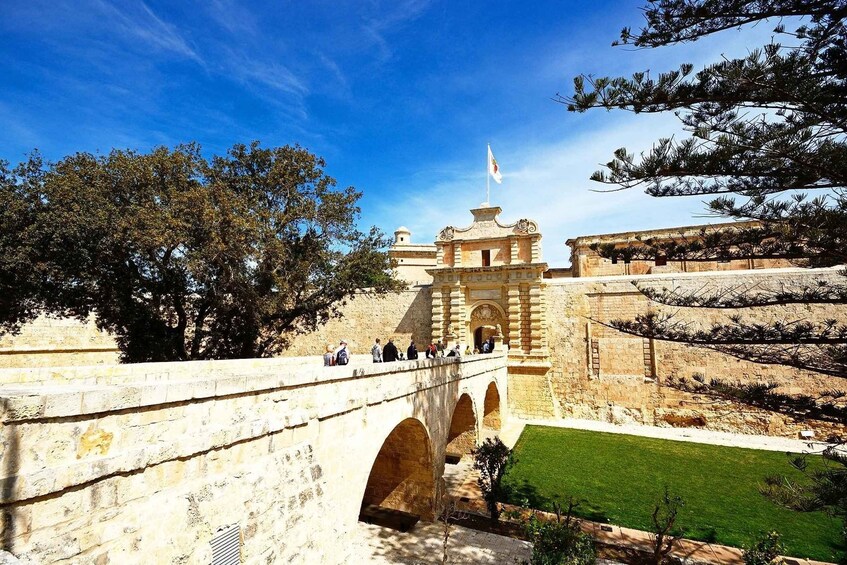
(488, 177)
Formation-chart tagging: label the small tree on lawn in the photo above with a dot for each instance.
(490, 460)
(665, 534)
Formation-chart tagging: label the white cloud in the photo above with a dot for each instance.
(548, 183)
(145, 25)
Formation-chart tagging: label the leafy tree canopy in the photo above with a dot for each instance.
(765, 131)
(182, 257)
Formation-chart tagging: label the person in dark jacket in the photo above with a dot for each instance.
(389, 352)
(412, 351)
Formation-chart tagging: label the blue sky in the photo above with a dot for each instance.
(399, 97)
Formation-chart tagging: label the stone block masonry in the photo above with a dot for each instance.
(600, 373)
(124, 464)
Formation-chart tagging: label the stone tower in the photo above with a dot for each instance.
(412, 259)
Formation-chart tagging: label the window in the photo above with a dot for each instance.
(661, 260)
(486, 257)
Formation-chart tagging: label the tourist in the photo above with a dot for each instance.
(412, 351)
(468, 350)
(376, 352)
(389, 352)
(491, 344)
(485, 347)
(456, 351)
(431, 350)
(439, 347)
(329, 357)
(342, 355)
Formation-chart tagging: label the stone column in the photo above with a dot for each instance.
(514, 314)
(457, 255)
(439, 256)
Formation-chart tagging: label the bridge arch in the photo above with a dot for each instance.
(491, 419)
(401, 476)
(462, 434)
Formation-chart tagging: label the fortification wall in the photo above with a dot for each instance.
(368, 316)
(600, 373)
(52, 342)
(596, 373)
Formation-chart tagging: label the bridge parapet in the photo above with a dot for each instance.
(102, 449)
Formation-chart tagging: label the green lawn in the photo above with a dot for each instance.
(619, 477)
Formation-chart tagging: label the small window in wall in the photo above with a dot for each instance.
(486, 257)
(614, 260)
(401, 239)
(661, 260)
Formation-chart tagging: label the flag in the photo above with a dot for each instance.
(493, 167)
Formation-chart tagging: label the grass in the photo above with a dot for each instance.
(618, 478)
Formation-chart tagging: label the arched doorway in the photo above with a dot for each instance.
(491, 411)
(487, 319)
(461, 438)
(401, 477)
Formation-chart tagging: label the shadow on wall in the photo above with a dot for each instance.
(10, 449)
(417, 320)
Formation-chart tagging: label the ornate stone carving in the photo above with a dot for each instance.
(526, 226)
(446, 234)
(484, 313)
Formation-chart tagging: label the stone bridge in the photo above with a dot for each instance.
(171, 462)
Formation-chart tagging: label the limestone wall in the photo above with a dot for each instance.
(366, 317)
(603, 374)
(51, 342)
(145, 463)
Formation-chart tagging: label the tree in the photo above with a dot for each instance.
(490, 460)
(664, 534)
(765, 128)
(181, 257)
(764, 131)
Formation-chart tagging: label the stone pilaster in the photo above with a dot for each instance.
(537, 322)
(514, 314)
(536, 249)
(437, 313)
(457, 313)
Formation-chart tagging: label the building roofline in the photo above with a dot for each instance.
(636, 234)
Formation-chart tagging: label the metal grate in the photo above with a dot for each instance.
(226, 546)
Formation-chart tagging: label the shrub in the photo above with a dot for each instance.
(765, 550)
(560, 542)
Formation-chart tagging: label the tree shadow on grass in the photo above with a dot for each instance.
(527, 495)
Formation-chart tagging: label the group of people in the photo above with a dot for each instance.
(389, 353)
